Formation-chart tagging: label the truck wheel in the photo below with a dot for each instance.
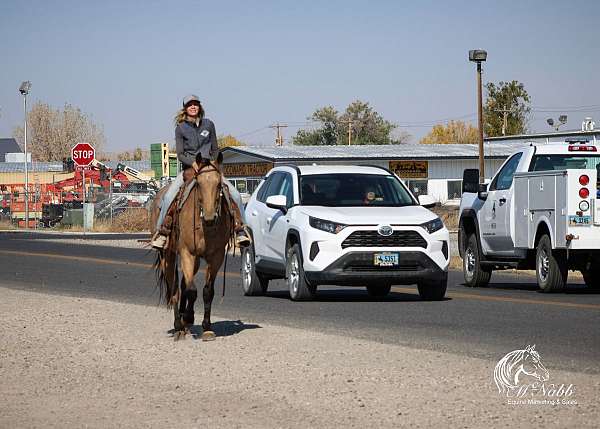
(300, 289)
(253, 283)
(475, 275)
(433, 290)
(550, 268)
(378, 290)
(592, 278)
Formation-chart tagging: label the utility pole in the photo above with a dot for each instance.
(279, 138)
(505, 113)
(349, 122)
(24, 90)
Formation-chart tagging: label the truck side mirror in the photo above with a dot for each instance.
(470, 182)
(482, 192)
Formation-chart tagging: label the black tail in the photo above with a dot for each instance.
(166, 288)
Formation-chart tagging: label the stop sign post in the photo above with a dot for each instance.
(82, 155)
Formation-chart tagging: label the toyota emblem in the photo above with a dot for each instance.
(385, 230)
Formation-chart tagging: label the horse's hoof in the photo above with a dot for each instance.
(179, 335)
(208, 336)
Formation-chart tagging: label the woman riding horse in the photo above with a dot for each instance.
(195, 135)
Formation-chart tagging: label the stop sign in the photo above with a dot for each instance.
(83, 154)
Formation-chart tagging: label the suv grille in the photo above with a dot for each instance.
(373, 239)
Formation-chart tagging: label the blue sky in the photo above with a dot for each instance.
(254, 63)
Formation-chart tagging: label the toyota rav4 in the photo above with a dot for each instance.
(342, 225)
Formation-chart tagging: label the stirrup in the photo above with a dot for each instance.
(159, 241)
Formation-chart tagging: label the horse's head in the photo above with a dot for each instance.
(210, 188)
(532, 365)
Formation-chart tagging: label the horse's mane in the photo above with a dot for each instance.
(503, 373)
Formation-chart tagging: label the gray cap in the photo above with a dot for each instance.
(189, 98)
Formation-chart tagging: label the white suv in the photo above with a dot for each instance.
(342, 225)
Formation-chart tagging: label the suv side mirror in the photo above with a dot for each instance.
(470, 182)
(482, 192)
(277, 202)
(426, 201)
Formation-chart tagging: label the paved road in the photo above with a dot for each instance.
(488, 322)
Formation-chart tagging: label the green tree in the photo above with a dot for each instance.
(510, 99)
(453, 132)
(368, 127)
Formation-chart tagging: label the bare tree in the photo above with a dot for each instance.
(53, 132)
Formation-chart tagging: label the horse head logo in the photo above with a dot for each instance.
(517, 364)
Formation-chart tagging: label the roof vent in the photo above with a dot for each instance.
(588, 125)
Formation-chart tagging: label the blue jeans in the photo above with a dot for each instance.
(173, 189)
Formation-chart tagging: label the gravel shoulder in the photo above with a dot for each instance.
(73, 362)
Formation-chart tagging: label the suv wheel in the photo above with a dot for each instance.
(433, 290)
(475, 275)
(300, 289)
(592, 278)
(253, 283)
(550, 268)
(378, 290)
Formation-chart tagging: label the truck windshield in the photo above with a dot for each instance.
(355, 190)
(564, 162)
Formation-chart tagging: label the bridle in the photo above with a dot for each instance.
(219, 199)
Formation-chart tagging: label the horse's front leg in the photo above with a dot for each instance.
(188, 291)
(208, 293)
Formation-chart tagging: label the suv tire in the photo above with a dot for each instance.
(433, 290)
(550, 267)
(300, 289)
(379, 290)
(592, 278)
(253, 284)
(474, 274)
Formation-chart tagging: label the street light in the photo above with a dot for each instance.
(562, 119)
(24, 90)
(478, 56)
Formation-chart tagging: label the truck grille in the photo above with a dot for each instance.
(373, 239)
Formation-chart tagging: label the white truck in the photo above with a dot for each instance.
(540, 211)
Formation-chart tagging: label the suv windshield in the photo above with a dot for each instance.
(564, 162)
(355, 190)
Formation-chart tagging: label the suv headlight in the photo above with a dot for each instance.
(326, 225)
(433, 225)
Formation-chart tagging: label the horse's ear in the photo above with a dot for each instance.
(199, 159)
(219, 160)
(532, 348)
(528, 348)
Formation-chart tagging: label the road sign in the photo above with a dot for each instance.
(83, 154)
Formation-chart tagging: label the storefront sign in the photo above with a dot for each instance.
(258, 169)
(410, 169)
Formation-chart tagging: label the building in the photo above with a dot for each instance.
(436, 170)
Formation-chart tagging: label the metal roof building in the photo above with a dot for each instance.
(433, 169)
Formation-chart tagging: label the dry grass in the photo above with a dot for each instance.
(132, 220)
(449, 216)
(6, 224)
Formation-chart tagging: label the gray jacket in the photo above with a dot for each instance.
(191, 140)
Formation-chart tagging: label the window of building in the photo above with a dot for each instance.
(417, 186)
(454, 189)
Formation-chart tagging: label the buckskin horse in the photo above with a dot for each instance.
(202, 230)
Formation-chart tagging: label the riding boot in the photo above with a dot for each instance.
(160, 239)
(241, 237)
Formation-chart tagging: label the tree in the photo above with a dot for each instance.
(368, 127)
(53, 132)
(510, 99)
(453, 132)
(228, 141)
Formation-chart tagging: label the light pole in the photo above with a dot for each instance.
(24, 90)
(562, 119)
(478, 56)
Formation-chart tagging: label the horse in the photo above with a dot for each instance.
(517, 363)
(202, 231)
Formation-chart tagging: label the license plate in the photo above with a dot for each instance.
(385, 259)
(580, 220)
